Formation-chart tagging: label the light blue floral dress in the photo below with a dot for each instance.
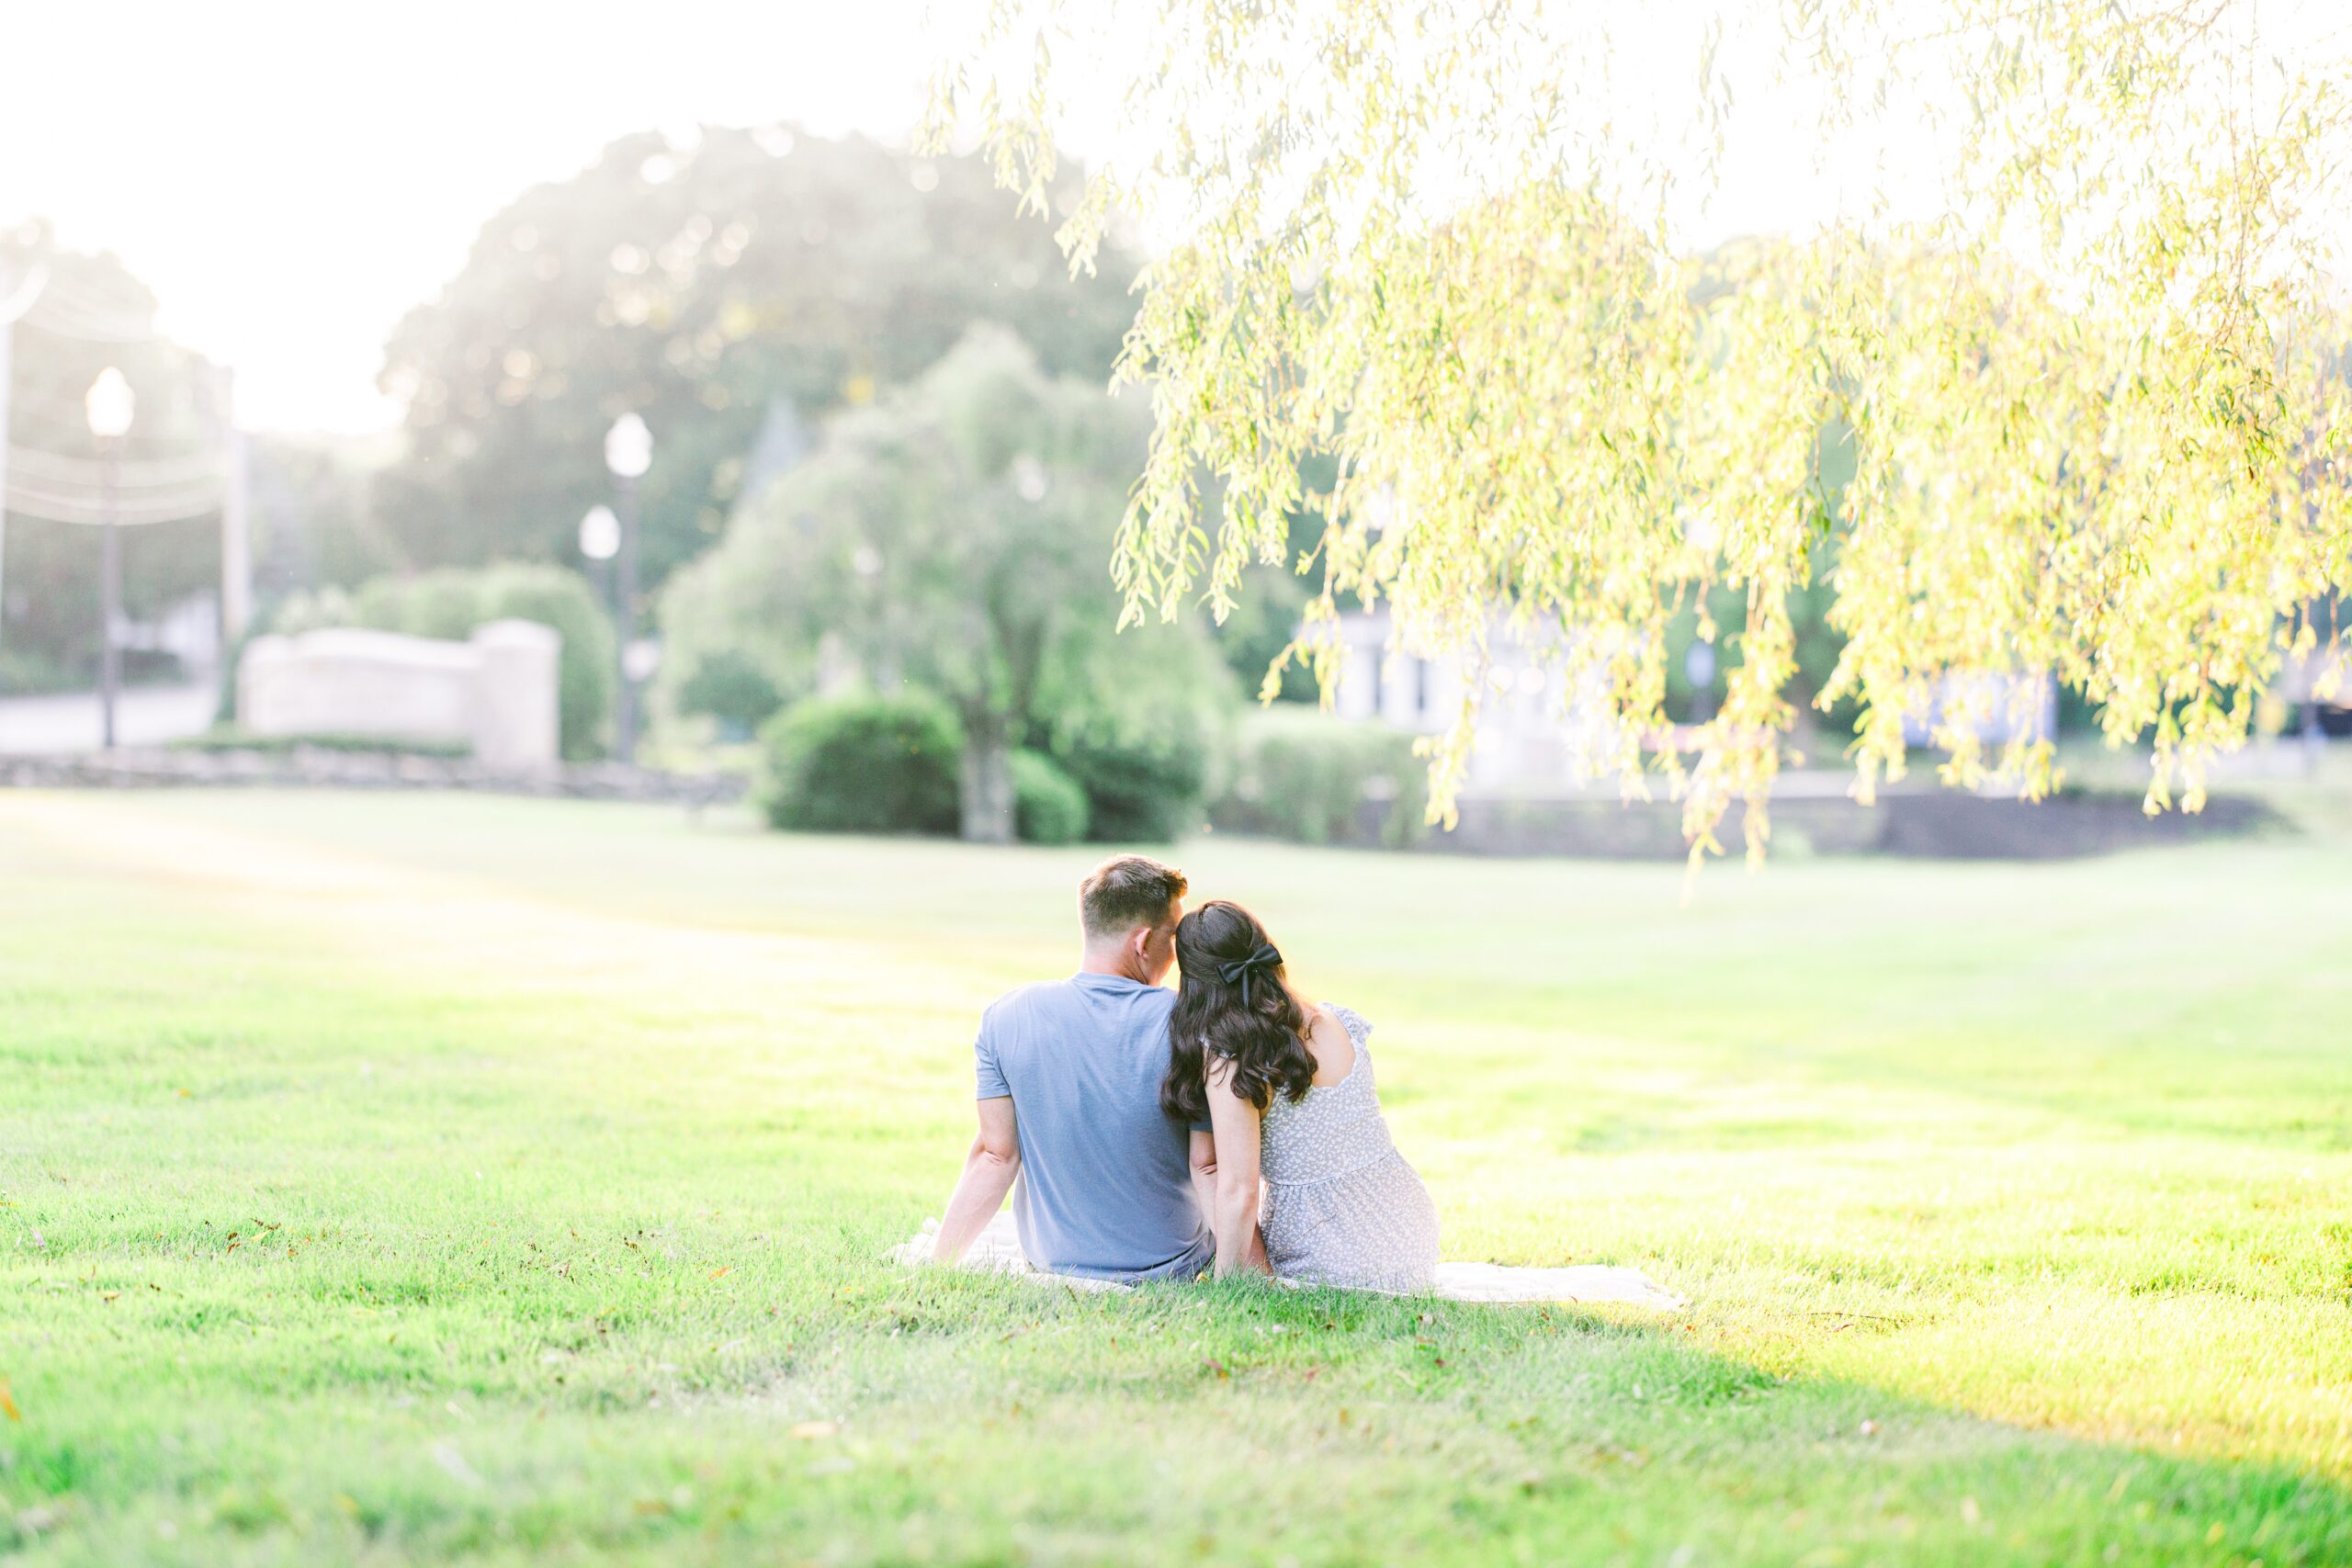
(1342, 1207)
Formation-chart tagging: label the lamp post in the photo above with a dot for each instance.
(628, 452)
(109, 405)
(600, 541)
(17, 295)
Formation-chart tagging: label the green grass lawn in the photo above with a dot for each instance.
(392, 1178)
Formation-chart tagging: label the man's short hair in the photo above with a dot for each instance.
(1125, 892)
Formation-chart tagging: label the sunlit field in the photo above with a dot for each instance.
(403, 1179)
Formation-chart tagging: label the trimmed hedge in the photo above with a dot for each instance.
(1147, 769)
(1305, 776)
(1048, 807)
(862, 764)
(229, 737)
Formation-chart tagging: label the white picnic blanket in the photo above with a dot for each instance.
(998, 1250)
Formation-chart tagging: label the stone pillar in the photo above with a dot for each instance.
(515, 717)
(260, 675)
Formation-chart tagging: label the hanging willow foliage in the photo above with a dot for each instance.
(2077, 338)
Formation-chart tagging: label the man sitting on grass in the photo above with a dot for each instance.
(1109, 1188)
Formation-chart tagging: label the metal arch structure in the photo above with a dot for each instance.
(21, 296)
(87, 491)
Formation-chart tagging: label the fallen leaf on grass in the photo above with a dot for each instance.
(717, 1272)
(8, 1406)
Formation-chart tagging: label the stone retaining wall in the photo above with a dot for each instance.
(307, 767)
(1938, 824)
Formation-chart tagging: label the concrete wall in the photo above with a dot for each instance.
(1930, 823)
(496, 694)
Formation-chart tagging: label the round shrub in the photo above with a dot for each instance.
(1315, 779)
(445, 603)
(1143, 788)
(862, 764)
(563, 600)
(1149, 747)
(1048, 805)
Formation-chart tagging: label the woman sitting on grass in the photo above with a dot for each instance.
(1286, 1089)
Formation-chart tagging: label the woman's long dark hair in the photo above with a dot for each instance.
(1251, 1020)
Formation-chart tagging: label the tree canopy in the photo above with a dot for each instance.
(2076, 339)
(697, 285)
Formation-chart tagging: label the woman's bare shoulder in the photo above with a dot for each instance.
(1333, 1046)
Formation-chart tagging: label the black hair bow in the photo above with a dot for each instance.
(1265, 961)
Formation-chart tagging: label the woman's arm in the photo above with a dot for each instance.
(1203, 1153)
(1235, 1122)
(988, 1170)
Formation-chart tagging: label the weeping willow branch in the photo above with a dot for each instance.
(2078, 338)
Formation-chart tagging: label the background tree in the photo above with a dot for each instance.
(699, 285)
(2075, 332)
(314, 522)
(951, 537)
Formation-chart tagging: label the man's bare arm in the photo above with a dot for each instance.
(1204, 1156)
(988, 1170)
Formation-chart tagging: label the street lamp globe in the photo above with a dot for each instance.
(629, 448)
(110, 404)
(600, 534)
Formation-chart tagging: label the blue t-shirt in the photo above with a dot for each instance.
(1106, 1183)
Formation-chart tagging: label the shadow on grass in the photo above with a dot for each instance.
(1604, 1431)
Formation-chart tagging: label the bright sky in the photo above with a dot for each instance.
(291, 176)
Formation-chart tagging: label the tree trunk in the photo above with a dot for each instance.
(987, 783)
